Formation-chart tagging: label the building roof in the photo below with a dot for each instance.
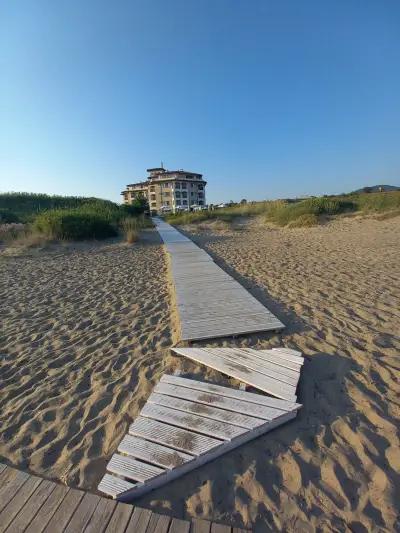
(161, 169)
(138, 184)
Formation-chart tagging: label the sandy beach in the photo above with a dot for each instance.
(85, 335)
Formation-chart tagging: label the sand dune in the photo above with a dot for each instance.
(86, 334)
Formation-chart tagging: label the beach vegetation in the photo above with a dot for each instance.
(298, 212)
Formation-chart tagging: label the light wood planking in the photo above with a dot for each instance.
(228, 392)
(204, 409)
(113, 485)
(210, 302)
(179, 439)
(185, 417)
(227, 404)
(152, 453)
(240, 371)
(199, 424)
(132, 469)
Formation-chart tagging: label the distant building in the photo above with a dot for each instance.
(169, 190)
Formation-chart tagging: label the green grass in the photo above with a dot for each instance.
(26, 206)
(299, 213)
(67, 217)
(74, 224)
(377, 202)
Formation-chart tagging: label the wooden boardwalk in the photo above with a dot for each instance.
(34, 505)
(210, 302)
(276, 371)
(185, 424)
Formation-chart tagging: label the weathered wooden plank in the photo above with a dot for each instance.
(204, 409)
(152, 452)
(113, 485)
(194, 334)
(11, 486)
(272, 370)
(66, 509)
(101, 516)
(18, 500)
(180, 439)
(46, 512)
(192, 422)
(228, 404)
(139, 520)
(132, 469)
(83, 513)
(31, 507)
(288, 351)
(2, 467)
(229, 392)
(120, 518)
(200, 526)
(6, 475)
(219, 528)
(241, 372)
(179, 526)
(158, 523)
(214, 452)
(268, 355)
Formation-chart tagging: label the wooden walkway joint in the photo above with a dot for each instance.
(276, 371)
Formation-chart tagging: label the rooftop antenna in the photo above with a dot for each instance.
(162, 164)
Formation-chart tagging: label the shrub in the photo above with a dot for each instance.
(130, 228)
(12, 232)
(74, 224)
(8, 217)
(304, 221)
(377, 201)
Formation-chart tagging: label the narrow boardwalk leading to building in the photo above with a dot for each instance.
(210, 302)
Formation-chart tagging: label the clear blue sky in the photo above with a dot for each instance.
(267, 98)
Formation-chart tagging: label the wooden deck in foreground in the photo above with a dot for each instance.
(32, 504)
(210, 302)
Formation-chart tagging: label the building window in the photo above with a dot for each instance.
(201, 202)
(184, 185)
(184, 194)
(192, 193)
(152, 188)
(167, 202)
(184, 202)
(167, 193)
(200, 195)
(153, 204)
(178, 194)
(178, 202)
(200, 187)
(177, 185)
(166, 185)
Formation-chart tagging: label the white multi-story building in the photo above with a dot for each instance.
(169, 190)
